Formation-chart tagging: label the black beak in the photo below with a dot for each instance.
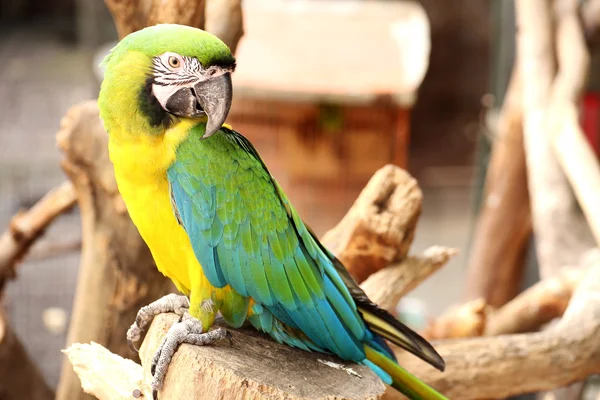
(214, 97)
(211, 97)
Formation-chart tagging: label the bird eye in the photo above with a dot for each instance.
(174, 62)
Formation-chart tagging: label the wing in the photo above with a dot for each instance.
(246, 234)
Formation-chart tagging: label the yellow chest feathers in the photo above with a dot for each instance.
(141, 163)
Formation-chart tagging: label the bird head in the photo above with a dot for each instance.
(165, 72)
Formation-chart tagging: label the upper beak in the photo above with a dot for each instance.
(214, 96)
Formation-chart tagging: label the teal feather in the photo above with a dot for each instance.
(384, 376)
(346, 312)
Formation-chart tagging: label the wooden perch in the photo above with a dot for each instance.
(379, 228)
(21, 378)
(501, 236)
(502, 366)
(27, 226)
(387, 286)
(254, 367)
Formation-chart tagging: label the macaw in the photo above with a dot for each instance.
(219, 225)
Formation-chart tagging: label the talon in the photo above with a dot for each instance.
(229, 337)
(154, 394)
(188, 331)
(169, 303)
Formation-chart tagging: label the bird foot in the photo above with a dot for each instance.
(170, 303)
(188, 330)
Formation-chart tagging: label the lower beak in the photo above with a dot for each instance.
(214, 96)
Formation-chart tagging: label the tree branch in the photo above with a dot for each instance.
(502, 366)
(501, 236)
(379, 228)
(561, 232)
(574, 152)
(535, 307)
(387, 286)
(27, 226)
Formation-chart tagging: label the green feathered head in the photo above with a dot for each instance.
(164, 72)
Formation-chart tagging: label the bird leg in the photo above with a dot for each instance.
(170, 303)
(189, 330)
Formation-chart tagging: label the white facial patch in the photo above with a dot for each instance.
(172, 72)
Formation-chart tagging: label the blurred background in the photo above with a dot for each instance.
(328, 92)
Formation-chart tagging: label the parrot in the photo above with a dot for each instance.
(219, 225)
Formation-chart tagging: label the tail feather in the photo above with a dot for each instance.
(402, 380)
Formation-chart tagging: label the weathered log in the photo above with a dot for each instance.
(117, 274)
(379, 228)
(502, 366)
(503, 229)
(20, 377)
(27, 226)
(387, 286)
(252, 367)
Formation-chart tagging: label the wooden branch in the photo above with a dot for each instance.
(503, 229)
(502, 366)
(20, 377)
(387, 286)
(224, 20)
(133, 15)
(47, 249)
(528, 312)
(117, 274)
(535, 307)
(27, 226)
(561, 234)
(253, 367)
(574, 152)
(106, 375)
(379, 228)
(591, 18)
(461, 321)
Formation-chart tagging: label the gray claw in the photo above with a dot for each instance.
(169, 303)
(187, 331)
